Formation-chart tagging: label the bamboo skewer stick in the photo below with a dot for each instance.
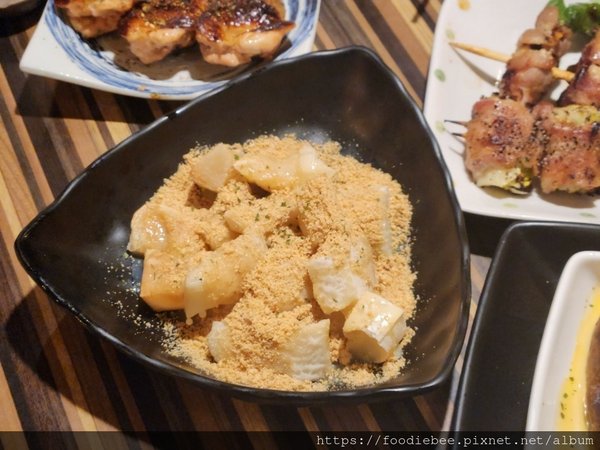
(496, 56)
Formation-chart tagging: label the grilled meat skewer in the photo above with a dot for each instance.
(528, 74)
(585, 87)
(510, 145)
(499, 146)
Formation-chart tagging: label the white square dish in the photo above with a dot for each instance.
(57, 51)
(458, 79)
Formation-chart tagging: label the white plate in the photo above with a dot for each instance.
(569, 308)
(457, 80)
(57, 51)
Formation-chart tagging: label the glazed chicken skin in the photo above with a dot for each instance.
(92, 18)
(156, 28)
(528, 74)
(229, 32)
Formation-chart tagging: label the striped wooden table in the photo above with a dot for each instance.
(55, 376)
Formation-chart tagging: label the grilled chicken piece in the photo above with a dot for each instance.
(570, 138)
(585, 87)
(156, 28)
(528, 74)
(499, 149)
(232, 32)
(92, 18)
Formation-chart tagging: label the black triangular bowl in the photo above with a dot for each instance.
(75, 248)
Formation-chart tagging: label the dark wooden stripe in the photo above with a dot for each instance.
(396, 49)
(174, 408)
(282, 418)
(19, 153)
(136, 111)
(401, 411)
(422, 13)
(24, 361)
(341, 26)
(338, 418)
(146, 397)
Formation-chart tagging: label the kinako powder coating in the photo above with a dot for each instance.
(276, 295)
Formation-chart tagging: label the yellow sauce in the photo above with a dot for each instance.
(572, 414)
(464, 4)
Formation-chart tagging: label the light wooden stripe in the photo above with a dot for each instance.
(416, 37)
(115, 120)
(87, 140)
(32, 159)
(205, 412)
(382, 50)
(126, 396)
(324, 37)
(344, 418)
(430, 416)
(309, 421)
(369, 419)
(251, 416)
(75, 405)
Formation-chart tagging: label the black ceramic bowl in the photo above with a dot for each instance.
(75, 248)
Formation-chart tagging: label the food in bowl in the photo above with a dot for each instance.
(579, 397)
(228, 32)
(566, 375)
(291, 262)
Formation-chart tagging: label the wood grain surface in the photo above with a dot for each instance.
(55, 375)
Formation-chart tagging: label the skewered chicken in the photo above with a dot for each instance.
(92, 18)
(510, 145)
(229, 32)
(528, 74)
(156, 28)
(569, 142)
(585, 87)
(498, 143)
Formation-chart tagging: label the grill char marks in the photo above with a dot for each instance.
(229, 32)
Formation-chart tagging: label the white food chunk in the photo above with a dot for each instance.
(306, 354)
(309, 165)
(272, 174)
(374, 328)
(158, 226)
(219, 341)
(213, 167)
(162, 281)
(334, 288)
(147, 231)
(386, 227)
(218, 278)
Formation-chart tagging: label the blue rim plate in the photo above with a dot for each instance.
(57, 51)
